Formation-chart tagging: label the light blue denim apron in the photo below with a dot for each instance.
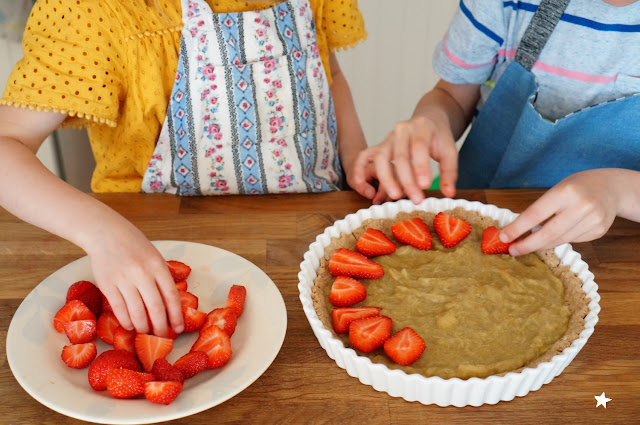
(510, 145)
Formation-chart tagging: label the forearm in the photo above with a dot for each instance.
(628, 183)
(452, 104)
(351, 138)
(32, 193)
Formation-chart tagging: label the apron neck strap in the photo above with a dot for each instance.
(539, 30)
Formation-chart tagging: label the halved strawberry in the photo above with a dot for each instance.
(346, 291)
(124, 339)
(160, 392)
(188, 299)
(73, 310)
(216, 344)
(345, 262)
(236, 298)
(405, 347)
(179, 271)
(107, 360)
(224, 318)
(88, 293)
(192, 363)
(374, 242)
(165, 371)
(491, 243)
(369, 333)
(193, 319)
(80, 331)
(79, 356)
(106, 326)
(182, 285)
(414, 232)
(125, 383)
(342, 317)
(450, 230)
(151, 347)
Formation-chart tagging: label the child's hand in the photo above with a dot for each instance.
(400, 163)
(135, 278)
(580, 208)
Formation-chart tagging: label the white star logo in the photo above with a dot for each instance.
(602, 400)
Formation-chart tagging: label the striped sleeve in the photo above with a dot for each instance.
(468, 52)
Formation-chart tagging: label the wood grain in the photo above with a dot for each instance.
(304, 385)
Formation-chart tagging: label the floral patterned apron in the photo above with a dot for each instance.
(250, 111)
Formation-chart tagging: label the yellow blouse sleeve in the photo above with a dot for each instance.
(341, 24)
(73, 62)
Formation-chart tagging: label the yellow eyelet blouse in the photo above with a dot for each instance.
(110, 65)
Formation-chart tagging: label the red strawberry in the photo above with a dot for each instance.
(162, 392)
(73, 310)
(79, 356)
(165, 371)
(193, 319)
(450, 230)
(125, 383)
(192, 363)
(182, 286)
(491, 243)
(80, 331)
(88, 293)
(236, 298)
(107, 360)
(179, 271)
(346, 291)
(188, 299)
(216, 344)
(151, 347)
(414, 232)
(342, 317)
(124, 339)
(374, 242)
(369, 333)
(405, 347)
(224, 318)
(107, 325)
(345, 262)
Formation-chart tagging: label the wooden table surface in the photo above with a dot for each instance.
(303, 385)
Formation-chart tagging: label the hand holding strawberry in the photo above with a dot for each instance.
(134, 278)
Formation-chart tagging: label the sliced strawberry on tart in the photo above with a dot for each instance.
(345, 262)
(374, 242)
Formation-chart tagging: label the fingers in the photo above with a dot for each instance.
(538, 212)
(385, 172)
(118, 306)
(362, 175)
(136, 308)
(404, 167)
(171, 298)
(447, 155)
(560, 229)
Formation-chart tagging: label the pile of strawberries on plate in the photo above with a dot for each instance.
(367, 328)
(137, 364)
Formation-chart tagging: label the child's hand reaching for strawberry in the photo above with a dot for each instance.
(135, 278)
(401, 163)
(580, 208)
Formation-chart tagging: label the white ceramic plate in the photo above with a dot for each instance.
(34, 347)
(435, 390)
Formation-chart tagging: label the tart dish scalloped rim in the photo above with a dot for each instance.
(436, 390)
